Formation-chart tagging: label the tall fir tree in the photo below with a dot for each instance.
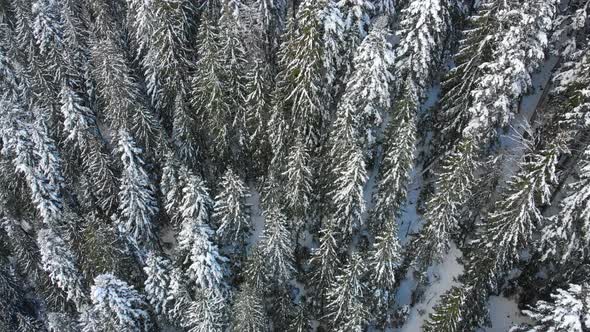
(137, 195)
(115, 306)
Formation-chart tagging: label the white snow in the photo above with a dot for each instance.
(504, 314)
(443, 277)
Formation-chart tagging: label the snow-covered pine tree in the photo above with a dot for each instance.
(348, 173)
(347, 308)
(258, 89)
(185, 129)
(96, 257)
(509, 226)
(519, 42)
(60, 263)
(567, 311)
(448, 313)
(517, 49)
(206, 312)
(385, 259)
(254, 270)
(248, 312)
(208, 91)
(454, 179)
(567, 234)
(424, 27)
(348, 195)
(356, 18)
(137, 194)
(196, 249)
(277, 248)
(231, 214)
(333, 42)
(398, 160)
(48, 32)
(385, 7)
(324, 263)
(161, 31)
(119, 95)
(369, 88)
(474, 49)
(298, 101)
(157, 269)
(179, 297)
(171, 184)
(233, 56)
(116, 306)
(298, 181)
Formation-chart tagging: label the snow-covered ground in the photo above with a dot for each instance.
(442, 277)
(504, 314)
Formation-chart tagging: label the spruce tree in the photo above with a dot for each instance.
(454, 178)
(158, 271)
(231, 213)
(137, 194)
(347, 308)
(205, 313)
(299, 181)
(115, 306)
(196, 249)
(370, 85)
(248, 311)
(298, 107)
(60, 263)
(324, 263)
(277, 248)
(567, 311)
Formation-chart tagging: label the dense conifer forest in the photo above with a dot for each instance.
(294, 165)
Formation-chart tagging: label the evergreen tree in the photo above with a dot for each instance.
(96, 257)
(161, 30)
(509, 226)
(60, 263)
(13, 304)
(115, 306)
(370, 86)
(299, 110)
(325, 262)
(299, 181)
(398, 160)
(208, 87)
(137, 194)
(386, 257)
(567, 311)
(158, 270)
(205, 313)
(519, 38)
(447, 315)
(230, 211)
(196, 250)
(258, 106)
(348, 195)
(347, 308)
(234, 61)
(567, 234)
(356, 18)
(119, 94)
(248, 313)
(277, 248)
(454, 178)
